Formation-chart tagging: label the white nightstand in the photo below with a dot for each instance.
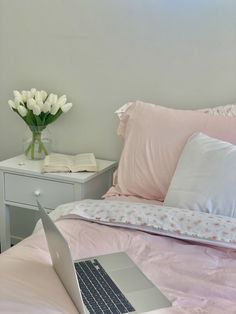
(21, 181)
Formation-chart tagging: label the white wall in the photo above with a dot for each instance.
(103, 53)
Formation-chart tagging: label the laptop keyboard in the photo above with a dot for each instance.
(100, 294)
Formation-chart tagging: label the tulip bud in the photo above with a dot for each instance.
(18, 101)
(31, 103)
(49, 99)
(66, 107)
(36, 110)
(29, 94)
(22, 110)
(17, 94)
(61, 101)
(54, 98)
(12, 104)
(24, 95)
(40, 104)
(18, 97)
(46, 107)
(38, 97)
(54, 109)
(32, 92)
(43, 95)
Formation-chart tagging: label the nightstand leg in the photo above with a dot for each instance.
(5, 235)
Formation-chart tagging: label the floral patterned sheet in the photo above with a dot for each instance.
(156, 219)
(196, 278)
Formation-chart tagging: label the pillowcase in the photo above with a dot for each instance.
(154, 137)
(205, 177)
(226, 110)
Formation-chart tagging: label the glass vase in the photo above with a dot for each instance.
(37, 142)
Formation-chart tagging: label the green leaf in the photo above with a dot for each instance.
(45, 117)
(38, 121)
(51, 118)
(30, 119)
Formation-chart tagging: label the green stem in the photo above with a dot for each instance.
(32, 148)
(36, 140)
(44, 149)
(40, 147)
(28, 149)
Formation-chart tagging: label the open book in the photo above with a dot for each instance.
(68, 163)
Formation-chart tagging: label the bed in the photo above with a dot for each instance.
(196, 273)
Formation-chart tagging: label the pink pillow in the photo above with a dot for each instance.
(154, 138)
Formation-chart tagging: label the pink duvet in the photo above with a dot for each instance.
(196, 278)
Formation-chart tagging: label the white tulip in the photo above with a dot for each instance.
(18, 100)
(12, 104)
(31, 103)
(46, 107)
(36, 110)
(43, 95)
(40, 104)
(61, 101)
(17, 94)
(48, 103)
(22, 110)
(29, 94)
(54, 109)
(50, 98)
(38, 97)
(54, 99)
(66, 107)
(32, 92)
(24, 95)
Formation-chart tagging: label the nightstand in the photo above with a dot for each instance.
(21, 181)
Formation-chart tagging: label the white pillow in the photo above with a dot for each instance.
(205, 177)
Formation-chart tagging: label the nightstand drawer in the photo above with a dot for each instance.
(24, 189)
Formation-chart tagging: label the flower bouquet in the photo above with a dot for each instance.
(38, 109)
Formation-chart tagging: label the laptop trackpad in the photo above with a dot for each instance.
(130, 279)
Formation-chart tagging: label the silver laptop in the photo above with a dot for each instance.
(106, 284)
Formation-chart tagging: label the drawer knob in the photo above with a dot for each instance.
(37, 192)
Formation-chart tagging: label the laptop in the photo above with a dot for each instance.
(106, 284)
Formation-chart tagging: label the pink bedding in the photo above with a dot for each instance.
(154, 137)
(196, 278)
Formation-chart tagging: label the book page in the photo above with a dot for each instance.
(85, 159)
(58, 162)
(85, 162)
(68, 163)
